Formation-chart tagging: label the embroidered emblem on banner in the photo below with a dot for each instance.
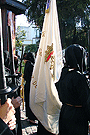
(49, 52)
(52, 62)
(47, 6)
(52, 66)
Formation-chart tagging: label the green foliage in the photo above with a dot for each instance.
(31, 48)
(36, 11)
(20, 37)
(23, 66)
(70, 13)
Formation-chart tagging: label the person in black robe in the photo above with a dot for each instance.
(29, 64)
(74, 94)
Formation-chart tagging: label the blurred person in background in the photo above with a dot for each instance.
(29, 64)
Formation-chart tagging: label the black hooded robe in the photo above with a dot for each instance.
(73, 92)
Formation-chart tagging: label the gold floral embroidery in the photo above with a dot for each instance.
(43, 34)
(35, 84)
(40, 52)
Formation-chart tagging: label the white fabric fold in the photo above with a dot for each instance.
(44, 100)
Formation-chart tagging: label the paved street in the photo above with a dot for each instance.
(27, 128)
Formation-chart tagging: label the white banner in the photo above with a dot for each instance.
(44, 100)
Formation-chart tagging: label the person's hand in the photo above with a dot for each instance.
(12, 123)
(7, 111)
(16, 101)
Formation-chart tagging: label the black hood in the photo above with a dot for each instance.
(29, 57)
(74, 56)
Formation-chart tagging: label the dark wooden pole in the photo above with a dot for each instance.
(4, 28)
(89, 45)
(4, 90)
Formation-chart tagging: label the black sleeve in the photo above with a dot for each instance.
(4, 129)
